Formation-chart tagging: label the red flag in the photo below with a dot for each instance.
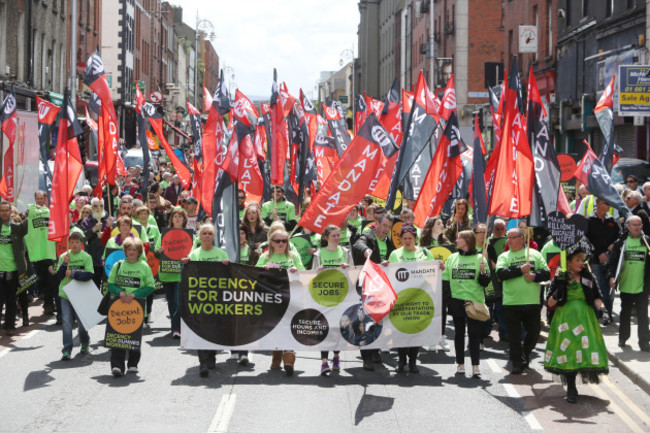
(196, 179)
(9, 120)
(260, 142)
(279, 135)
(360, 112)
(378, 294)
(512, 192)
(231, 160)
(244, 110)
(325, 155)
(444, 171)
(139, 98)
(391, 120)
(207, 100)
(250, 177)
(310, 118)
(448, 103)
(67, 168)
(111, 145)
(349, 181)
(182, 171)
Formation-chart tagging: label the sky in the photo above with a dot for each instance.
(300, 38)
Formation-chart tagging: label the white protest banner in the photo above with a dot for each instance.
(85, 298)
(246, 308)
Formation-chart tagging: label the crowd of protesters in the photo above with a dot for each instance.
(505, 269)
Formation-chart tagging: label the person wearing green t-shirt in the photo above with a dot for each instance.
(521, 270)
(629, 267)
(279, 256)
(171, 280)
(466, 274)
(129, 279)
(74, 264)
(12, 262)
(331, 255)
(151, 234)
(247, 255)
(354, 219)
(41, 251)
(279, 208)
(409, 252)
(207, 252)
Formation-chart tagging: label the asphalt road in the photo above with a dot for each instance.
(44, 394)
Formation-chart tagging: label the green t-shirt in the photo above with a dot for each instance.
(133, 278)
(216, 254)
(286, 210)
(245, 254)
(345, 237)
(241, 214)
(332, 259)
(151, 221)
(633, 272)
(152, 236)
(82, 261)
(38, 247)
(164, 184)
(462, 272)
(7, 261)
(356, 222)
(282, 260)
(518, 291)
(383, 249)
(403, 255)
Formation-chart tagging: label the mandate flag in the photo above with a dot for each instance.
(351, 177)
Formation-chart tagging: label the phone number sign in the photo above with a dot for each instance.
(634, 90)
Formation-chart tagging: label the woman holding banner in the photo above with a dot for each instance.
(172, 281)
(575, 343)
(465, 273)
(331, 255)
(129, 279)
(279, 256)
(459, 220)
(207, 252)
(409, 252)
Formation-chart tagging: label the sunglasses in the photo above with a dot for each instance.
(280, 241)
(479, 233)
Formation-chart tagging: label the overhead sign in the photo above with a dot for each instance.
(156, 96)
(634, 90)
(527, 39)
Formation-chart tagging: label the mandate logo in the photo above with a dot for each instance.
(402, 274)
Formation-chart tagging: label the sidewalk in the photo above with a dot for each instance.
(630, 360)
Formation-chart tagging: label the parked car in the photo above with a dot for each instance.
(135, 157)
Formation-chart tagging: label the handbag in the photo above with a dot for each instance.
(477, 311)
(105, 303)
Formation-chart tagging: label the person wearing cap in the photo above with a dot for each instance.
(191, 206)
(408, 252)
(279, 209)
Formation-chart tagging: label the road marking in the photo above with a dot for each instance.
(528, 416)
(30, 334)
(532, 421)
(5, 351)
(494, 366)
(617, 409)
(223, 415)
(633, 407)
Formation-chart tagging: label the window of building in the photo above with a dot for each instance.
(536, 21)
(510, 46)
(550, 28)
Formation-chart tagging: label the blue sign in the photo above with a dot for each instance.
(634, 90)
(112, 257)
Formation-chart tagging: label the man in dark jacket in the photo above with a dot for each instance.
(634, 202)
(377, 246)
(631, 273)
(12, 262)
(603, 231)
(93, 226)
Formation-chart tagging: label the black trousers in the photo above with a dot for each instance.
(325, 353)
(529, 316)
(207, 358)
(8, 288)
(474, 330)
(118, 356)
(367, 354)
(46, 281)
(638, 301)
(412, 353)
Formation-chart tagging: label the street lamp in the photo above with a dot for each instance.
(204, 27)
(349, 54)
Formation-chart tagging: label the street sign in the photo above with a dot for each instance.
(527, 39)
(156, 96)
(634, 90)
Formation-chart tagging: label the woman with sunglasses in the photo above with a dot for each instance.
(279, 256)
(409, 252)
(465, 273)
(331, 255)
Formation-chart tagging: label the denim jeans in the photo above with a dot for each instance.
(68, 316)
(173, 295)
(600, 272)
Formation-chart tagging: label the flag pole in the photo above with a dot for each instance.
(527, 239)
